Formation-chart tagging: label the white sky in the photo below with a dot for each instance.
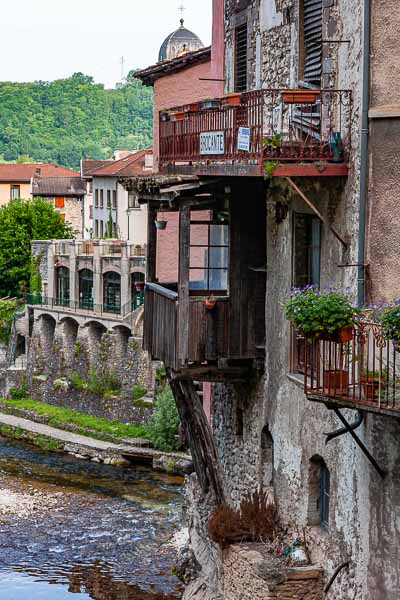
(51, 39)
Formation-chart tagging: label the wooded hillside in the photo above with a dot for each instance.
(66, 120)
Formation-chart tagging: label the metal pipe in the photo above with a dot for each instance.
(343, 430)
(364, 153)
(335, 574)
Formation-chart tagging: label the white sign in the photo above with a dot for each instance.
(244, 139)
(212, 142)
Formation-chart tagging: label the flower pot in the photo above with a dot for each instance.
(341, 336)
(232, 99)
(210, 302)
(371, 386)
(336, 381)
(300, 96)
(161, 224)
(139, 286)
(194, 106)
(178, 116)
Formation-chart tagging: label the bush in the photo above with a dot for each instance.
(163, 426)
(138, 391)
(105, 384)
(389, 317)
(19, 393)
(316, 312)
(7, 309)
(255, 521)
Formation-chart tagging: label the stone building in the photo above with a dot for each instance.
(288, 180)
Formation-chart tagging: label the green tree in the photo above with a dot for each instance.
(22, 221)
(163, 426)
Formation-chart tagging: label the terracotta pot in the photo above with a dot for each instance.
(371, 387)
(233, 99)
(336, 381)
(210, 302)
(194, 106)
(341, 336)
(178, 116)
(300, 96)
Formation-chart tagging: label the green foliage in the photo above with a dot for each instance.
(7, 309)
(269, 167)
(314, 312)
(389, 316)
(63, 121)
(102, 384)
(22, 221)
(161, 375)
(273, 142)
(138, 391)
(35, 282)
(58, 417)
(163, 426)
(19, 393)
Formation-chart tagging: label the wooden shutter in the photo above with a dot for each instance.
(312, 41)
(241, 58)
(59, 203)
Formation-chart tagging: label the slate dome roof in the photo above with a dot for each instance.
(179, 42)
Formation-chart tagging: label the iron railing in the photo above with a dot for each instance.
(283, 127)
(363, 372)
(87, 305)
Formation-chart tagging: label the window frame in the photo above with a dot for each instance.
(15, 188)
(101, 198)
(241, 80)
(209, 247)
(96, 198)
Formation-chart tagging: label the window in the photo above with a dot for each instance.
(59, 202)
(311, 41)
(96, 228)
(133, 200)
(114, 199)
(241, 58)
(86, 289)
(96, 199)
(62, 286)
(114, 230)
(91, 211)
(319, 483)
(91, 186)
(209, 255)
(15, 192)
(101, 229)
(101, 198)
(108, 198)
(112, 292)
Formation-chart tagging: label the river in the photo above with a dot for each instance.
(96, 531)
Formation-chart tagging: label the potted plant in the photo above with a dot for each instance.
(160, 224)
(300, 96)
(232, 99)
(373, 383)
(139, 286)
(210, 103)
(389, 317)
(272, 145)
(210, 302)
(178, 115)
(326, 315)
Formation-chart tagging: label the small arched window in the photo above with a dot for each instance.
(62, 283)
(267, 457)
(319, 492)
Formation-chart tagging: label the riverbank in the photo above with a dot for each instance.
(120, 452)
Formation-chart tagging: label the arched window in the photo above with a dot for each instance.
(62, 286)
(137, 289)
(86, 289)
(112, 292)
(318, 492)
(267, 457)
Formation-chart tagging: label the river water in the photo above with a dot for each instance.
(106, 537)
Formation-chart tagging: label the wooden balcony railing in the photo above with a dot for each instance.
(362, 373)
(207, 333)
(283, 128)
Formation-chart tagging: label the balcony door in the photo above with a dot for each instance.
(112, 292)
(86, 289)
(63, 295)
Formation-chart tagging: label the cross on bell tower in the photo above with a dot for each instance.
(182, 9)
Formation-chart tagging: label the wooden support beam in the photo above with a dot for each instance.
(183, 285)
(319, 215)
(199, 436)
(151, 243)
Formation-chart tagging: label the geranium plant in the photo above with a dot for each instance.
(316, 313)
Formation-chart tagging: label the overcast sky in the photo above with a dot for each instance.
(51, 39)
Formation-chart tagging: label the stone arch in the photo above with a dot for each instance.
(96, 330)
(70, 328)
(123, 334)
(318, 492)
(267, 457)
(47, 330)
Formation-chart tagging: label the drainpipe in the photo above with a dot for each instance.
(364, 153)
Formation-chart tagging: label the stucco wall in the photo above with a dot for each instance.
(5, 191)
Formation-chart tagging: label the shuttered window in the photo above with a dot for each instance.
(312, 36)
(241, 58)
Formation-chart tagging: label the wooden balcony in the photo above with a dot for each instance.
(271, 131)
(363, 373)
(203, 347)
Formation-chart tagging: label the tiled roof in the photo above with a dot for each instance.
(149, 75)
(25, 172)
(58, 186)
(89, 165)
(134, 164)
